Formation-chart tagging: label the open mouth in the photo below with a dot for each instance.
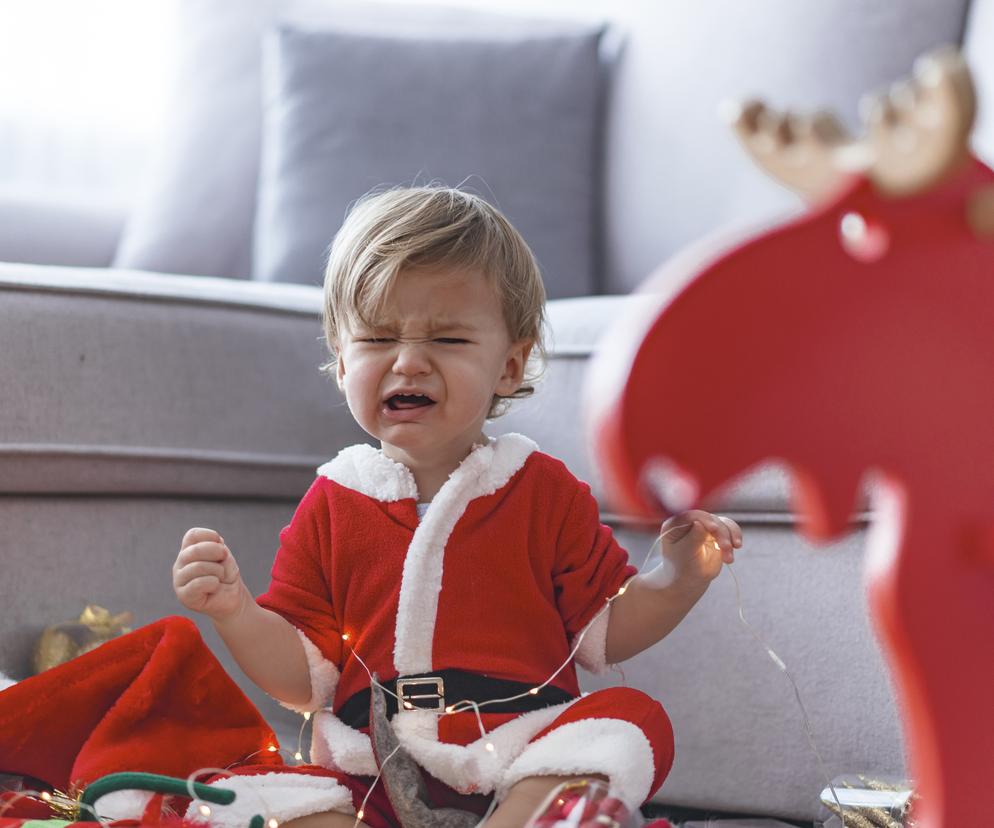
(400, 402)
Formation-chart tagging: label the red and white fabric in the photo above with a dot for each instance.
(504, 572)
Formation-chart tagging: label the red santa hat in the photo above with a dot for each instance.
(154, 700)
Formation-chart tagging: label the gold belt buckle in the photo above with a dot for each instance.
(407, 698)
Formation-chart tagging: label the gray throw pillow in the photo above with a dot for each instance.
(514, 119)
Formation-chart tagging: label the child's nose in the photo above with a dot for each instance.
(412, 358)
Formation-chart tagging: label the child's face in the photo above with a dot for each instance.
(442, 340)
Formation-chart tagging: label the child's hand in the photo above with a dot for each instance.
(696, 543)
(205, 576)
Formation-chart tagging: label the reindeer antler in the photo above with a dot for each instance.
(800, 152)
(918, 131)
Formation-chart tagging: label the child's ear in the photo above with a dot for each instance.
(514, 367)
(340, 371)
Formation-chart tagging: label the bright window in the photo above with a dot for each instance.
(82, 88)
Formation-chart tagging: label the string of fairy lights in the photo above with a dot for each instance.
(64, 801)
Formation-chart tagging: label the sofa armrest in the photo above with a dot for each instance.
(44, 230)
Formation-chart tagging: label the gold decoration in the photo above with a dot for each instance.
(65, 804)
(61, 642)
(855, 818)
(866, 817)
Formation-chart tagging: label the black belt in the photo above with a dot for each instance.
(434, 691)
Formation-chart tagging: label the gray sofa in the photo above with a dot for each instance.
(137, 404)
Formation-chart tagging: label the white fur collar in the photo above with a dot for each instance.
(369, 471)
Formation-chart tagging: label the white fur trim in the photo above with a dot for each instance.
(482, 472)
(324, 678)
(6, 681)
(369, 471)
(280, 795)
(613, 747)
(471, 768)
(336, 746)
(122, 805)
(592, 652)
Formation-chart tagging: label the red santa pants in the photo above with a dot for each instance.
(615, 703)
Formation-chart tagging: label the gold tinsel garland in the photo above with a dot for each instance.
(65, 804)
(866, 817)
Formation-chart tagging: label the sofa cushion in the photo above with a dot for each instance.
(121, 381)
(218, 387)
(510, 118)
(196, 210)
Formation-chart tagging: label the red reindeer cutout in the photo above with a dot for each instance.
(855, 340)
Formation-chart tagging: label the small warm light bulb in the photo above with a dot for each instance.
(490, 746)
(345, 636)
(46, 796)
(273, 823)
(408, 706)
(307, 717)
(205, 810)
(361, 813)
(298, 756)
(534, 691)
(450, 709)
(622, 590)
(853, 226)
(272, 748)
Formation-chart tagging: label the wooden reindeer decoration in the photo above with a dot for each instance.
(855, 339)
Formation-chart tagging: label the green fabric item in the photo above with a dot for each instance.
(153, 782)
(44, 823)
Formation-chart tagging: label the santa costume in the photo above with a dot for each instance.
(505, 570)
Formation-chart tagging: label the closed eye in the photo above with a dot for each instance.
(381, 340)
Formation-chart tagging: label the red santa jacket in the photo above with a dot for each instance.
(506, 568)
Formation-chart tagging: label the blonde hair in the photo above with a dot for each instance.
(431, 225)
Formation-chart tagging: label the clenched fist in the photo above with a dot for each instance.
(205, 576)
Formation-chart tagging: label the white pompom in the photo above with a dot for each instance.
(124, 804)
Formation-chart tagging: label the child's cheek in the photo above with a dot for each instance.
(349, 390)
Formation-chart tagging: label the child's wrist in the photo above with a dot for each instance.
(667, 575)
(236, 616)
